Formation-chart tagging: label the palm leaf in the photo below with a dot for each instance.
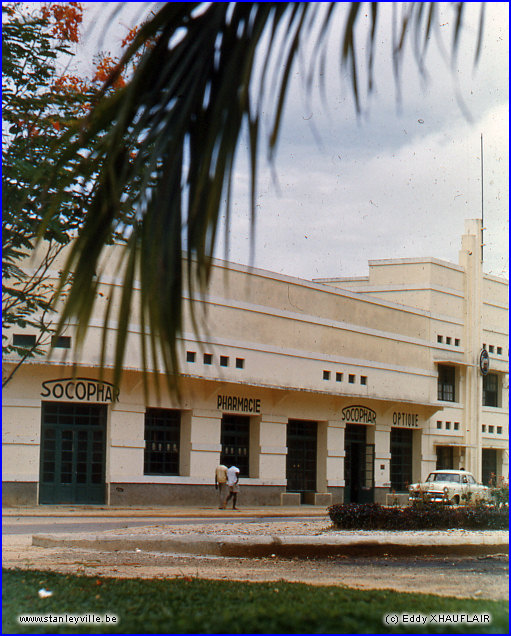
(167, 142)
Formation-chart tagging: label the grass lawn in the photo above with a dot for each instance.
(205, 607)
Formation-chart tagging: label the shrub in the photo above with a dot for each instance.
(500, 494)
(423, 516)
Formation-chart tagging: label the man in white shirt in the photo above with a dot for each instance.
(233, 475)
(221, 484)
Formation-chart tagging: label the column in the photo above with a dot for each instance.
(470, 259)
(254, 462)
(417, 459)
(125, 445)
(427, 451)
(381, 442)
(272, 448)
(200, 441)
(334, 464)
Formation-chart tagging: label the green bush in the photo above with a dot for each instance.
(420, 516)
(500, 494)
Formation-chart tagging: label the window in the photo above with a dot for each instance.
(224, 361)
(351, 379)
(446, 383)
(240, 363)
(190, 356)
(490, 429)
(491, 390)
(456, 342)
(447, 426)
(162, 430)
(439, 424)
(23, 340)
(456, 426)
(338, 377)
(61, 342)
(499, 351)
(499, 430)
(440, 339)
(363, 379)
(483, 428)
(491, 348)
(235, 437)
(326, 375)
(448, 340)
(208, 358)
(444, 461)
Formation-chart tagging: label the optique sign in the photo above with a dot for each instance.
(405, 420)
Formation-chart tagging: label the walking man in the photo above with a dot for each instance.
(221, 484)
(233, 475)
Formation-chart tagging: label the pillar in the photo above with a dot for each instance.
(334, 464)
(471, 260)
(202, 430)
(272, 449)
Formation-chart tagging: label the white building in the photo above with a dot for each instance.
(339, 390)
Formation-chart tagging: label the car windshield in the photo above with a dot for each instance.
(444, 477)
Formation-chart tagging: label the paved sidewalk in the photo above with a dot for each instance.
(192, 512)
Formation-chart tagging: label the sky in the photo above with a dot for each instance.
(399, 180)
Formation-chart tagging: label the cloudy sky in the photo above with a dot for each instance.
(397, 181)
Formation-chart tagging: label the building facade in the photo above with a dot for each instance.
(320, 392)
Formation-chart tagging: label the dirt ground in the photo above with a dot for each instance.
(468, 577)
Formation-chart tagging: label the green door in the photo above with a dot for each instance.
(489, 466)
(401, 455)
(72, 469)
(301, 459)
(358, 466)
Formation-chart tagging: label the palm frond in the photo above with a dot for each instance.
(166, 143)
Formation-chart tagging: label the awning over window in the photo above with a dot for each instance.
(458, 363)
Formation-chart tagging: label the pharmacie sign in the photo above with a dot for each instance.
(358, 415)
(82, 389)
(238, 403)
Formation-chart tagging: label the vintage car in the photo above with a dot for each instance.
(449, 486)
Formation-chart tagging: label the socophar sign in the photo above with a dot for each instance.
(82, 389)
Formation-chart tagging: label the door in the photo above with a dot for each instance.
(444, 458)
(72, 467)
(358, 466)
(489, 466)
(367, 490)
(301, 460)
(401, 454)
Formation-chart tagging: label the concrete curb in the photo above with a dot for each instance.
(377, 544)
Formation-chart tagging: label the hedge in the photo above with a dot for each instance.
(422, 516)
